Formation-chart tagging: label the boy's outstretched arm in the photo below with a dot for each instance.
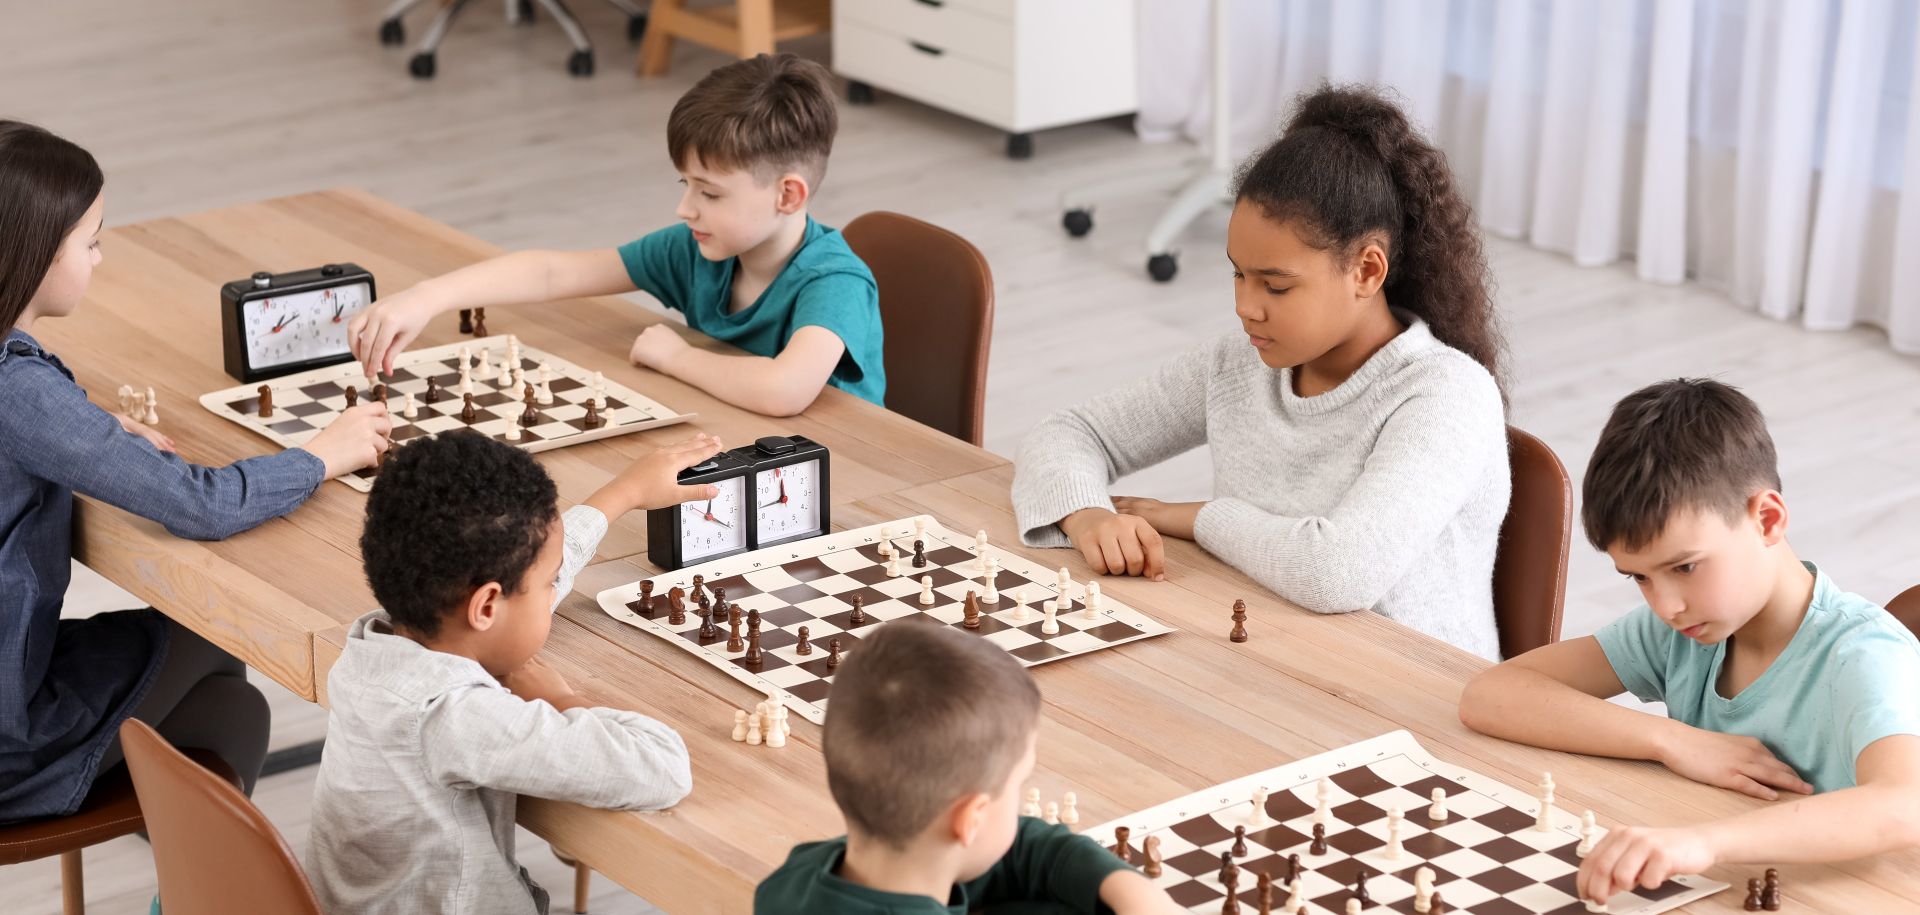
(1881, 813)
(782, 385)
(1555, 697)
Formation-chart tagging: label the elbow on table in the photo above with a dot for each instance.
(1476, 706)
(205, 523)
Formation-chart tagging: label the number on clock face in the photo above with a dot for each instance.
(302, 326)
(789, 501)
(716, 525)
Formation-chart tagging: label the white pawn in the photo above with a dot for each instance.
(513, 430)
(739, 725)
(1257, 817)
(466, 357)
(920, 529)
(1296, 900)
(993, 583)
(153, 409)
(1596, 906)
(1032, 807)
(980, 548)
(1020, 605)
(1052, 816)
(484, 370)
(1394, 818)
(1438, 811)
(466, 380)
(778, 738)
(893, 566)
(1589, 834)
(1092, 611)
(753, 731)
(886, 544)
(926, 590)
(408, 408)
(1353, 905)
(1323, 807)
(1052, 625)
(545, 394)
(1069, 809)
(1543, 822)
(520, 388)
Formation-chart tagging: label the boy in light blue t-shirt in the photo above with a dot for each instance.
(746, 264)
(1776, 681)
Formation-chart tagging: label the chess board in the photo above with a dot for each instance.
(811, 583)
(306, 402)
(1487, 857)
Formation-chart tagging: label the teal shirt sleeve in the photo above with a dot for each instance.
(1047, 864)
(1874, 689)
(1638, 646)
(661, 264)
(848, 304)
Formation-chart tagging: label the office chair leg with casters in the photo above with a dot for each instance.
(424, 63)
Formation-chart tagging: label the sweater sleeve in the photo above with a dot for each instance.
(1067, 462)
(1430, 459)
(1047, 864)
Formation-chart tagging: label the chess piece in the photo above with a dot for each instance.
(859, 615)
(919, 554)
(1770, 891)
(708, 631)
(531, 415)
(1319, 846)
(1394, 818)
(466, 381)
(377, 393)
(408, 408)
(739, 725)
(153, 409)
(753, 659)
(778, 738)
(1066, 590)
(1360, 893)
(1093, 599)
(513, 433)
(1543, 821)
(886, 543)
(1239, 633)
(1228, 869)
(805, 646)
(466, 359)
(592, 419)
(833, 653)
(1032, 807)
(980, 546)
(646, 597)
(1239, 841)
(734, 641)
(483, 369)
(1019, 614)
(1589, 833)
(993, 583)
(926, 591)
(1590, 904)
(1423, 890)
(1753, 895)
(1323, 804)
(1263, 892)
(1070, 809)
(545, 392)
(676, 611)
(1051, 625)
(466, 324)
(1295, 898)
(1257, 817)
(1437, 812)
(266, 401)
(1353, 906)
(1121, 849)
(479, 322)
(754, 735)
(920, 528)
(1439, 906)
(1052, 816)
(468, 414)
(893, 565)
(353, 397)
(1293, 868)
(1151, 851)
(970, 611)
(1230, 884)
(433, 391)
(126, 399)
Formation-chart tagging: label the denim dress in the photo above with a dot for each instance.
(65, 685)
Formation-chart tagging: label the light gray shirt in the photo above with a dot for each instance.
(1385, 493)
(413, 808)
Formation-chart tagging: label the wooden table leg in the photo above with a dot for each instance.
(656, 48)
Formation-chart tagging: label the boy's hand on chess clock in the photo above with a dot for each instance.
(1643, 856)
(1116, 544)
(1172, 519)
(652, 481)
(155, 436)
(656, 346)
(355, 439)
(384, 329)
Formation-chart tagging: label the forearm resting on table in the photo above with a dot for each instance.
(1530, 707)
(775, 387)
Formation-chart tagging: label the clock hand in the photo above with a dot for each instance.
(783, 492)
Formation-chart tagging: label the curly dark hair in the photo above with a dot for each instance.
(449, 514)
(1350, 165)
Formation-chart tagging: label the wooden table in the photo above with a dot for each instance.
(1126, 729)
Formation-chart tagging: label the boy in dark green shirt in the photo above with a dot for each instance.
(930, 737)
(747, 265)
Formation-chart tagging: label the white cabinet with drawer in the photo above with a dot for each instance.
(1018, 65)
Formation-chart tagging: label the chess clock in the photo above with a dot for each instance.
(274, 324)
(772, 491)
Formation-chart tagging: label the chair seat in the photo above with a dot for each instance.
(109, 812)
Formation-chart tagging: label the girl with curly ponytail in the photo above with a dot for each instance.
(1358, 425)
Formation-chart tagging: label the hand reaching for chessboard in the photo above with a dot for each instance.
(154, 436)
(1632, 856)
(651, 481)
(1116, 544)
(384, 329)
(354, 440)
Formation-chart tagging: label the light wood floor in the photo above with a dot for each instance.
(202, 103)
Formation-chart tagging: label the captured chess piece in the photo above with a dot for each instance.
(266, 401)
(1770, 891)
(1753, 895)
(466, 327)
(1239, 633)
(479, 322)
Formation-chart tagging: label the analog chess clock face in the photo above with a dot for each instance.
(274, 324)
(714, 526)
(788, 501)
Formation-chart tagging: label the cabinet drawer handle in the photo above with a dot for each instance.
(926, 49)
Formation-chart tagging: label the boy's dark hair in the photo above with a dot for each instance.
(1689, 443)
(447, 515)
(1351, 165)
(46, 185)
(769, 114)
(920, 716)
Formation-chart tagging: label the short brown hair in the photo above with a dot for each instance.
(920, 716)
(1689, 443)
(769, 114)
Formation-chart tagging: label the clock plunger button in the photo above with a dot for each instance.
(262, 280)
(774, 444)
(332, 270)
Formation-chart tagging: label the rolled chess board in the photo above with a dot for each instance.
(304, 403)
(1488, 856)
(812, 583)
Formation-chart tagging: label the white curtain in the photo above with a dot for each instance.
(1760, 147)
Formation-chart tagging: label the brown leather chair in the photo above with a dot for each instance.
(214, 851)
(110, 811)
(1530, 565)
(936, 304)
(1906, 608)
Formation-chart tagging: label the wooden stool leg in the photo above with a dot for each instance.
(656, 48)
(582, 881)
(73, 886)
(756, 27)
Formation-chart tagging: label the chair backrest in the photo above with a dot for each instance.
(936, 305)
(213, 850)
(1906, 608)
(1530, 566)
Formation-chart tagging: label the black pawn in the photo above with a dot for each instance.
(708, 631)
(699, 586)
(1753, 895)
(1293, 867)
(1436, 905)
(1239, 841)
(919, 554)
(468, 414)
(859, 615)
(1228, 869)
(479, 322)
(1360, 889)
(1770, 892)
(833, 654)
(1319, 846)
(806, 643)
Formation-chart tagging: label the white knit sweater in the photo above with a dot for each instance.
(1385, 493)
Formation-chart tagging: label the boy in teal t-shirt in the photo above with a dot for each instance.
(931, 735)
(747, 265)
(1776, 681)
